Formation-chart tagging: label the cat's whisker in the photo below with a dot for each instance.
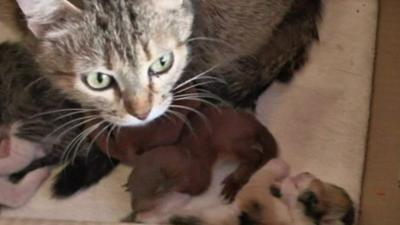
(202, 90)
(201, 94)
(84, 138)
(75, 113)
(77, 141)
(99, 134)
(67, 115)
(194, 95)
(214, 78)
(108, 142)
(181, 117)
(118, 131)
(168, 117)
(72, 122)
(76, 126)
(197, 99)
(33, 83)
(217, 79)
(195, 78)
(198, 95)
(200, 114)
(65, 157)
(68, 148)
(66, 153)
(55, 111)
(211, 95)
(194, 86)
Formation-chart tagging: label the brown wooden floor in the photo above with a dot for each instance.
(381, 196)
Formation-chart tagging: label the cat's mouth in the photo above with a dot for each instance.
(127, 121)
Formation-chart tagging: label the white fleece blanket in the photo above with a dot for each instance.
(320, 119)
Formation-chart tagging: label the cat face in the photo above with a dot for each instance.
(122, 57)
(322, 202)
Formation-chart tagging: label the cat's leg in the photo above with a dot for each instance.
(16, 195)
(49, 160)
(83, 172)
(20, 154)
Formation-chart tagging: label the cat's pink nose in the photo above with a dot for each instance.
(143, 115)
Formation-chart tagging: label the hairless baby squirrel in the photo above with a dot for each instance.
(169, 157)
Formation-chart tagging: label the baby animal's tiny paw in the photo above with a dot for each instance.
(279, 167)
(231, 188)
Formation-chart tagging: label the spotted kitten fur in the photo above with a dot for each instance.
(33, 112)
(33, 115)
(29, 104)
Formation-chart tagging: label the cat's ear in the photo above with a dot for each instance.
(43, 16)
(168, 4)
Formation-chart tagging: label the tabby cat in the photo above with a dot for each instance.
(126, 58)
(38, 125)
(30, 108)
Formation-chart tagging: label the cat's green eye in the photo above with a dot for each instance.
(162, 64)
(98, 81)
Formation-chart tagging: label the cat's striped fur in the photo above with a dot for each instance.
(245, 43)
(42, 116)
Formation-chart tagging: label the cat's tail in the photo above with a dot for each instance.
(83, 173)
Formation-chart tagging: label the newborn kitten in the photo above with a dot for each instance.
(273, 197)
(124, 58)
(37, 123)
(15, 154)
